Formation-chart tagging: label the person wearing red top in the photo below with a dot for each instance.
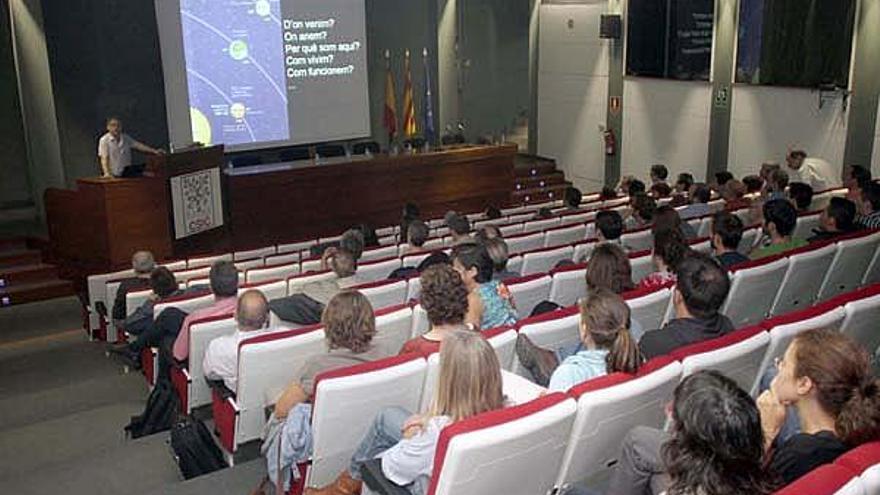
(669, 250)
(445, 299)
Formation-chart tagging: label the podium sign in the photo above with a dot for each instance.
(197, 202)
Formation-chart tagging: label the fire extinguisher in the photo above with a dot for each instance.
(610, 142)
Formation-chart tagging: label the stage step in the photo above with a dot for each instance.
(542, 180)
(17, 257)
(35, 291)
(534, 169)
(539, 194)
(27, 273)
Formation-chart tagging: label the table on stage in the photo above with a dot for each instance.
(100, 224)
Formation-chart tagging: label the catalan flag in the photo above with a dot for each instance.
(390, 119)
(409, 110)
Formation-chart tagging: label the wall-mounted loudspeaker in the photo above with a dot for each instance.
(610, 27)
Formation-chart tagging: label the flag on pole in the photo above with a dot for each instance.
(427, 103)
(409, 111)
(390, 119)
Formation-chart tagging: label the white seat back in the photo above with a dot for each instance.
(552, 331)
(353, 397)
(379, 253)
(185, 276)
(803, 279)
(568, 286)
(253, 254)
(583, 251)
(255, 275)
(705, 229)
(310, 265)
(379, 270)
(414, 260)
(861, 320)
(527, 295)
(872, 274)
(295, 284)
(540, 225)
(524, 243)
(605, 414)
(805, 225)
(393, 329)
(512, 229)
(207, 261)
(544, 260)
(501, 455)
(752, 292)
(248, 264)
(739, 361)
(649, 310)
(638, 240)
(642, 266)
(504, 343)
(295, 247)
(200, 336)
(187, 305)
(390, 293)
(413, 288)
(420, 323)
(283, 259)
(134, 300)
(565, 235)
(850, 264)
(271, 290)
(749, 238)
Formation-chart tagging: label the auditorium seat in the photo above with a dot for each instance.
(413, 260)
(514, 263)
(296, 247)
(353, 397)
(384, 293)
(295, 283)
(196, 391)
(540, 225)
(420, 324)
(649, 307)
(503, 341)
(379, 253)
(701, 245)
(267, 364)
(484, 453)
(184, 276)
(512, 229)
(413, 288)
(564, 235)
(738, 355)
(872, 274)
(783, 329)
(803, 279)
(528, 291)
(584, 249)
(377, 270)
(862, 315)
(829, 479)
(638, 240)
(705, 229)
(577, 218)
(753, 289)
(850, 264)
(545, 259)
(242, 266)
(551, 331)
(569, 284)
(207, 261)
(865, 462)
(608, 407)
(283, 271)
(283, 259)
(806, 223)
(526, 242)
(271, 289)
(642, 263)
(134, 300)
(393, 328)
(252, 254)
(749, 238)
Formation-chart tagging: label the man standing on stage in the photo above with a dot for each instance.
(114, 150)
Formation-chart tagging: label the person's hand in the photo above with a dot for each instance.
(413, 426)
(772, 415)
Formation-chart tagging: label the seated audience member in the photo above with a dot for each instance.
(635, 187)
(826, 377)
(836, 220)
(643, 207)
(368, 234)
(669, 250)
(714, 446)
(734, 194)
(571, 198)
(780, 219)
(774, 187)
(684, 183)
(492, 213)
(869, 209)
(543, 214)
(352, 240)
(722, 178)
(727, 232)
(661, 190)
(767, 169)
(609, 268)
(666, 218)
(855, 179)
(816, 172)
(221, 357)
(306, 306)
(410, 213)
(497, 249)
(416, 236)
(801, 195)
(488, 232)
(445, 299)
(490, 304)
(753, 184)
(659, 174)
(607, 193)
(701, 288)
(609, 227)
(623, 185)
(469, 384)
(606, 346)
(459, 228)
(163, 285)
(224, 286)
(142, 263)
(700, 196)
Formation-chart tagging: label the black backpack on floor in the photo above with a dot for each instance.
(194, 448)
(159, 414)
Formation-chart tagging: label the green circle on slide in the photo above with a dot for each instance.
(201, 126)
(238, 50)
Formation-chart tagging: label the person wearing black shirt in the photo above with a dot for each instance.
(826, 377)
(836, 220)
(700, 291)
(142, 263)
(727, 231)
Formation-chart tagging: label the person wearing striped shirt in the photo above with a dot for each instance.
(869, 206)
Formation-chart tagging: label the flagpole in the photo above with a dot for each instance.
(388, 71)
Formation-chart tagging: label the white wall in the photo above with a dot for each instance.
(572, 90)
(667, 122)
(875, 159)
(767, 121)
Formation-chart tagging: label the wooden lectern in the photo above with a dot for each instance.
(98, 226)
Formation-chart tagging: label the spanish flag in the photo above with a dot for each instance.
(390, 120)
(409, 110)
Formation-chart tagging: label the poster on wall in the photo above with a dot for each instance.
(197, 202)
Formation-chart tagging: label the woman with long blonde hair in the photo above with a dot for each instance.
(469, 384)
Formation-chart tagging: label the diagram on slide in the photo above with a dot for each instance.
(235, 70)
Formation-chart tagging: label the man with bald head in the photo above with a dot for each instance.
(221, 358)
(142, 263)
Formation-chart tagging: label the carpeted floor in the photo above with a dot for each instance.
(63, 405)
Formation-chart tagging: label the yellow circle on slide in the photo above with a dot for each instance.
(262, 8)
(201, 126)
(237, 110)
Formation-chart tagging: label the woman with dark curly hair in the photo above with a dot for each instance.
(445, 299)
(715, 445)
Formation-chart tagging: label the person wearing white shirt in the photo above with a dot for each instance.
(816, 172)
(114, 149)
(221, 358)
